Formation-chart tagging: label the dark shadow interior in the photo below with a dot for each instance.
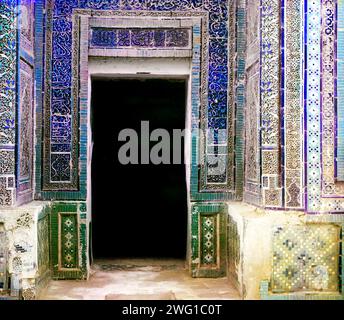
(137, 210)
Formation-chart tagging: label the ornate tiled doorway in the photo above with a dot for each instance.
(152, 220)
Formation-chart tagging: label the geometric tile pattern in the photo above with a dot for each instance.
(292, 105)
(312, 98)
(237, 44)
(324, 192)
(209, 240)
(8, 48)
(270, 101)
(274, 107)
(340, 92)
(252, 107)
(328, 96)
(305, 258)
(208, 227)
(68, 241)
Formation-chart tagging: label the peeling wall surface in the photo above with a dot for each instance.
(264, 113)
(27, 244)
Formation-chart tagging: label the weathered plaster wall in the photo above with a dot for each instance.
(28, 252)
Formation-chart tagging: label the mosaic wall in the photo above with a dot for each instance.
(252, 100)
(283, 91)
(274, 111)
(25, 101)
(324, 191)
(305, 258)
(292, 106)
(270, 102)
(25, 134)
(68, 240)
(60, 154)
(8, 60)
(340, 92)
(237, 48)
(16, 89)
(209, 240)
(292, 72)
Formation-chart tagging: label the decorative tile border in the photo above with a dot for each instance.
(324, 193)
(292, 106)
(252, 185)
(270, 102)
(25, 132)
(39, 88)
(236, 113)
(8, 87)
(328, 95)
(25, 101)
(340, 92)
(312, 103)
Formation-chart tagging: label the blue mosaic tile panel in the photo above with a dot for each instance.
(8, 49)
(8, 88)
(60, 167)
(142, 38)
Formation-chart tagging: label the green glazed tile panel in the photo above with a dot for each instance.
(68, 240)
(209, 240)
(233, 251)
(43, 244)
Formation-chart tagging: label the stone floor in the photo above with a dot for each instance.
(141, 279)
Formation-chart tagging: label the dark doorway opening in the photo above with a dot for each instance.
(137, 210)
